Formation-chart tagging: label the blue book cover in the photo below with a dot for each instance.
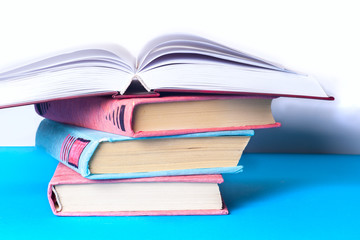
(75, 146)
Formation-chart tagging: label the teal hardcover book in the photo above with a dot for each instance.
(100, 155)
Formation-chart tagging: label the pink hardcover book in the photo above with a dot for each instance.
(162, 116)
(70, 194)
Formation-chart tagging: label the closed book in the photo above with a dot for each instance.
(70, 194)
(163, 116)
(100, 155)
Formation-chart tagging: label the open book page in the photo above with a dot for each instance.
(105, 55)
(217, 78)
(178, 49)
(90, 70)
(192, 63)
(67, 83)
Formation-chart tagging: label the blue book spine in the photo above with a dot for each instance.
(74, 147)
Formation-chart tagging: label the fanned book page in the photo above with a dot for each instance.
(172, 63)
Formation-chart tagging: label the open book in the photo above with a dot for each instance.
(172, 63)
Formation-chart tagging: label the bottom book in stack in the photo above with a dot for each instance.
(72, 195)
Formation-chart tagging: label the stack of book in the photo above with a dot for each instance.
(159, 155)
(179, 116)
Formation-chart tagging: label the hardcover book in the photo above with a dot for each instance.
(100, 155)
(172, 63)
(146, 117)
(70, 194)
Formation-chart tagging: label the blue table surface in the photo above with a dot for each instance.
(278, 196)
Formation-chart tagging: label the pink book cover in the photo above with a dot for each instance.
(64, 175)
(159, 92)
(116, 115)
(212, 92)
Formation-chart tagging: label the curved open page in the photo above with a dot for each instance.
(165, 50)
(94, 70)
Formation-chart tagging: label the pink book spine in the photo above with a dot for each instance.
(99, 113)
(116, 115)
(65, 175)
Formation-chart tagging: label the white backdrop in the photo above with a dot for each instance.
(316, 37)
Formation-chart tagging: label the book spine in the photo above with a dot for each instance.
(67, 145)
(103, 114)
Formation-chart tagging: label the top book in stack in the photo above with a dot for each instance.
(162, 116)
(173, 63)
